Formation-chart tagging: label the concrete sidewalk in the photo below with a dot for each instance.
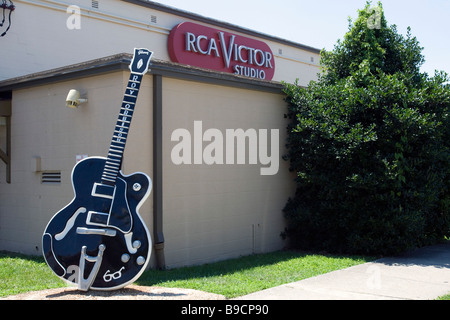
(422, 274)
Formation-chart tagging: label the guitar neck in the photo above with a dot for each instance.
(119, 139)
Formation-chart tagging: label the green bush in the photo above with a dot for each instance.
(369, 142)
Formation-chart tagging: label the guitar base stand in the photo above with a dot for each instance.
(85, 284)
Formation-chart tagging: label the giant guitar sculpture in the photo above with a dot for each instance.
(99, 241)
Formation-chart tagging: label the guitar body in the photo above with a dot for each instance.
(99, 241)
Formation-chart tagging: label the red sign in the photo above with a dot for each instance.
(209, 48)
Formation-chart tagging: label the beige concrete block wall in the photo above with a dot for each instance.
(210, 212)
(215, 212)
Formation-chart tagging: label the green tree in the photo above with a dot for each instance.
(369, 142)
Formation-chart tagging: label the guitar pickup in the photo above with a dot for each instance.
(97, 218)
(103, 191)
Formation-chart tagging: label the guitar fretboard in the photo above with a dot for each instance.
(117, 147)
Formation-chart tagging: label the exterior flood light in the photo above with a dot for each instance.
(73, 99)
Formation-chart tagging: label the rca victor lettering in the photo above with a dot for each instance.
(197, 45)
(99, 240)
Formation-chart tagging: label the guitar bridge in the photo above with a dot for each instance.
(100, 232)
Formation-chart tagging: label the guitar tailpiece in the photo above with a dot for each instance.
(85, 284)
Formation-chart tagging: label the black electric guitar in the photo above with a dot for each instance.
(99, 241)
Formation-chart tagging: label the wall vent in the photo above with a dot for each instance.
(154, 19)
(94, 4)
(51, 177)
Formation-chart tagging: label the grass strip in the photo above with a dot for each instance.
(20, 273)
(231, 278)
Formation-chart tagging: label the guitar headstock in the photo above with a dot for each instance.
(141, 60)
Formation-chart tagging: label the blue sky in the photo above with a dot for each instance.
(319, 23)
